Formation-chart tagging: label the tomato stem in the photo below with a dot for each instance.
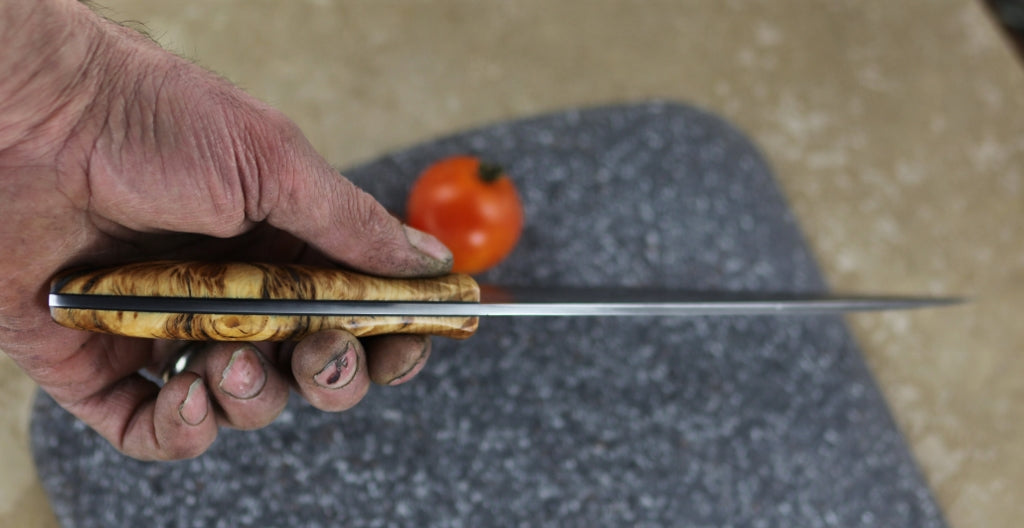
(490, 172)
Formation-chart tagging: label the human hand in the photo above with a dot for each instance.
(112, 150)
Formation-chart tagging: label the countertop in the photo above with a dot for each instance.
(893, 129)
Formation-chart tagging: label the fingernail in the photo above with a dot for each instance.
(340, 370)
(428, 245)
(245, 375)
(414, 368)
(399, 380)
(194, 409)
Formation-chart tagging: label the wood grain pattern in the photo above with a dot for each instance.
(257, 281)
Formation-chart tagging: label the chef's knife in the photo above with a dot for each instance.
(257, 302)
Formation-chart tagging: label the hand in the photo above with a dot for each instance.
(112, 150)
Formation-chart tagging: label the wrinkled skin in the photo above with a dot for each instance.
(112, 149)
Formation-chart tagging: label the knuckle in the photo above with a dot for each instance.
(376, 236)
(269, 152)
(368, 218)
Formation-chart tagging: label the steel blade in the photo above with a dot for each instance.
(507, 301)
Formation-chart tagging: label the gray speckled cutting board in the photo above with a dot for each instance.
(752, 421)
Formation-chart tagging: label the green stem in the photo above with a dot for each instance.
(490, 172)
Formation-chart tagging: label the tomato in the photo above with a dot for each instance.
(472, 207)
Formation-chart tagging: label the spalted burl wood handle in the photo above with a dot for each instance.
(257, 281)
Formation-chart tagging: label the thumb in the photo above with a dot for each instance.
(347, 225)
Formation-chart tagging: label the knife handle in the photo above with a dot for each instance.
(256, 281)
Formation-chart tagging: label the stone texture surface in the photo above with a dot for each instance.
(569, 422)
(894, 129)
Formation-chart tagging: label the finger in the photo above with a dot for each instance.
(330, 370)
(349, 226)
(97, 381)
(396, 359)
(182, 419)
(248, 392)
(150, 423)
(86, 364)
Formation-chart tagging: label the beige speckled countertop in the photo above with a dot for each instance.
(896, 129)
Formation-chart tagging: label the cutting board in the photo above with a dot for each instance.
(737, 421)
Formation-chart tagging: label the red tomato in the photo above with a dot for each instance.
(472, 207)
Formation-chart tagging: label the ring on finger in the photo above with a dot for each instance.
(181, 363)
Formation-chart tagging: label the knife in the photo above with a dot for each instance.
(232, 301)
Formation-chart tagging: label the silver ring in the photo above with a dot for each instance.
(182, 362)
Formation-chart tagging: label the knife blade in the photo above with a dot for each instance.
(518, 302)
(234, 301)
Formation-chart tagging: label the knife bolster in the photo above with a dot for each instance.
(210, 280)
